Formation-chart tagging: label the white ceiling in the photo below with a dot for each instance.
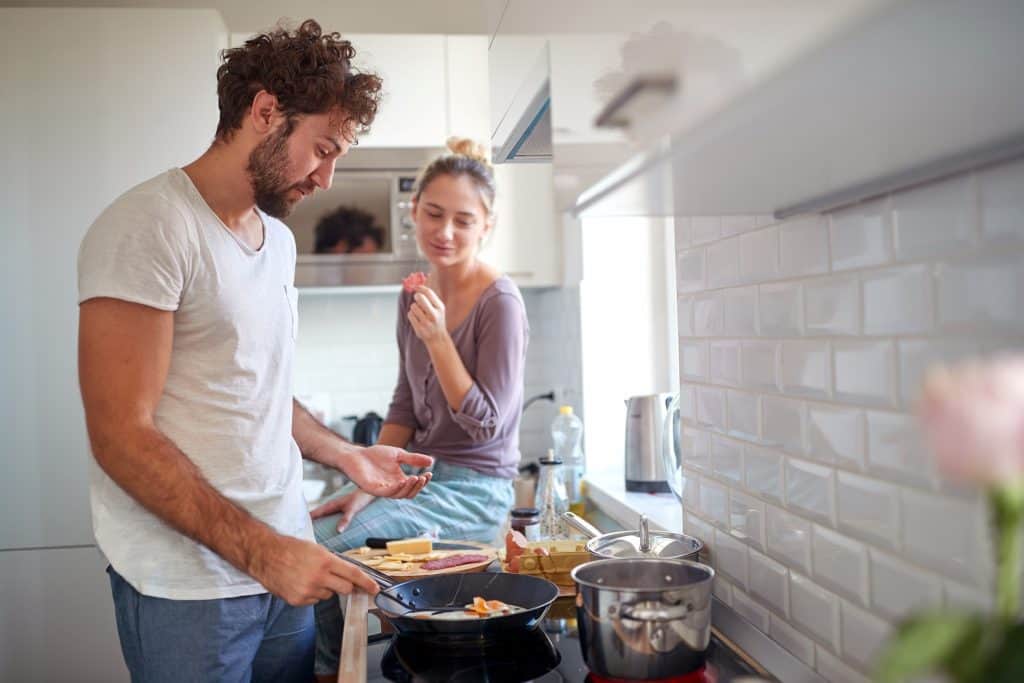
(344, 16)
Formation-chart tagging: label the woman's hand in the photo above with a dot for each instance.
(426, 315)
(348, 506)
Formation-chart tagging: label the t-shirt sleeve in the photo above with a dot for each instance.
(138, 250)
(496, 391)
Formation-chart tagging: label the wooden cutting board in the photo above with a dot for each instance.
(477, 549)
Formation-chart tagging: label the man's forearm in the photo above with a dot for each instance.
(317, 442)
(153, 471)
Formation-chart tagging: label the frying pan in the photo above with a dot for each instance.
(396, 600)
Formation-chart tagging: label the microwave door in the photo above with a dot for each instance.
(355, 202)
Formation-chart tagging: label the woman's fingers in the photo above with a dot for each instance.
(431, 296)
(407, 488)
(414, 459)
(421, 482)
(329, 508)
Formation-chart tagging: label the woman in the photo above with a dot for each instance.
(462, 340)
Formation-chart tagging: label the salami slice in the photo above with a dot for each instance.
(414, 280)
(453, 561)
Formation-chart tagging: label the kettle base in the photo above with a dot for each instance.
(647, 486)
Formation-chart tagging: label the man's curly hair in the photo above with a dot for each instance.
(307, 70)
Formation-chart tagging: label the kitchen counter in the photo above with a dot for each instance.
(606, 489)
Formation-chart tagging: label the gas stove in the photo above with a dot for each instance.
(546, 654)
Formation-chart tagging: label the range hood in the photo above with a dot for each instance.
(523, 133)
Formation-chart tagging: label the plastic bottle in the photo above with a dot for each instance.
(566, 435)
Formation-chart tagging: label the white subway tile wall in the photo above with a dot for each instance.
(788, 538)
(791, 639)
(346, 349)
(832, 306)
(769, 582)
(747, 518)
(781, 311)
(840, 563)
(839, 526)
(749, 609)
(897, 588)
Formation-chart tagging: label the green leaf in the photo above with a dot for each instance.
(1006, 664)
(924, 643)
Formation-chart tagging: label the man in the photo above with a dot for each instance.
(187, 328)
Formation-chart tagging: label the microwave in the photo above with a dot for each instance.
(356, 200)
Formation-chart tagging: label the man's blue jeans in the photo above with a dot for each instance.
(251, 638)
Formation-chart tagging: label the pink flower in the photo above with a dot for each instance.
(973, 418)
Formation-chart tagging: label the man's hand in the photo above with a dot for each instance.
(348, 505)
(303, 573)
(377, 470)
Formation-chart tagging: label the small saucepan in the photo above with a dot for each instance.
(444, 593)
(643, 619)
(662, 545)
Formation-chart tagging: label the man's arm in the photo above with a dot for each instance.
(375, 469)
(124, 351)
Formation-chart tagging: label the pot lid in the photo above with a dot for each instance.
(645, 543)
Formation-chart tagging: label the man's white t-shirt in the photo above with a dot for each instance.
(227, 401)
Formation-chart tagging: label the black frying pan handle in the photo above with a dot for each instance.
(382, 579)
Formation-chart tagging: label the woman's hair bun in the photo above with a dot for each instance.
(469, 148)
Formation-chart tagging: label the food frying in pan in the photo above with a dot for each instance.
(479, 609)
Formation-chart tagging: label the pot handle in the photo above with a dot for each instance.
(581, 525)
(645, 535)
(644, 612)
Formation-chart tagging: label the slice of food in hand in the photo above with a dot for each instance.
(410, 546)
(454, 561)
(414, 280)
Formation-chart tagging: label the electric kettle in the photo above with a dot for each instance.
(644, 418)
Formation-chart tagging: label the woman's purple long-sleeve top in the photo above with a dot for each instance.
(483, 434)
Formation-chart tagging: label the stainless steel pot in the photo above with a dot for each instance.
(662, 545)
(643, 619)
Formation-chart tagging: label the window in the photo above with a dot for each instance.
(628, 324)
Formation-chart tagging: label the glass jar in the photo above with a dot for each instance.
(552, 499)
(526, 521)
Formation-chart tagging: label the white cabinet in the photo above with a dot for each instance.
(434, 86)
(58, 617)
(413, 110)
(527, 240)
(467, 78)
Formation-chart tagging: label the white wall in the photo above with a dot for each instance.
(97, 101)
(347, 350)
(802, 348)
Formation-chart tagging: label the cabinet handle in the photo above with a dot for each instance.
(616, 115)
(521, 273)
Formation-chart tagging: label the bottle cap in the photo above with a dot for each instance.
(551, 459)
(565, 410)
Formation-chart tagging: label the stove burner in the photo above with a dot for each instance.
(704, 674)
(511, 660)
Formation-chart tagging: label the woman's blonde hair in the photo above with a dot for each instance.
(465, 157)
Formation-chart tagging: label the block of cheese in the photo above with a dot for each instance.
(413, 546)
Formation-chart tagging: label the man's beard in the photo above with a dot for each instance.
(268, 172)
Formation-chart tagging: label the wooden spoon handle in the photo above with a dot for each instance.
(352, 668)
